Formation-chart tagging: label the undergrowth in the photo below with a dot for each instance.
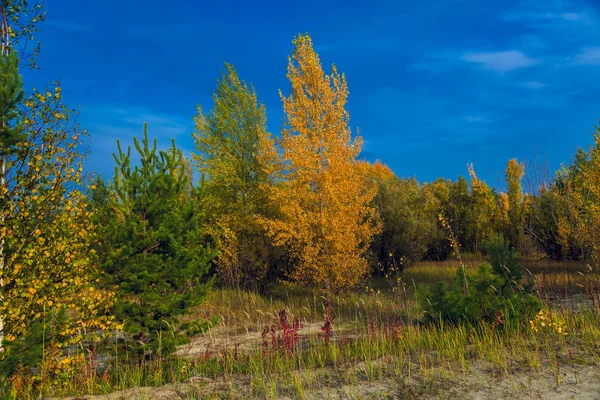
(356, 340)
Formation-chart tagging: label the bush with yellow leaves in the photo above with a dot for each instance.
(546, 321)
(49, 302)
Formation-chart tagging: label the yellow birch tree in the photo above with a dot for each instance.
(327, 219)
(48, 298)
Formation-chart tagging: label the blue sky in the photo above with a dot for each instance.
(433, 85)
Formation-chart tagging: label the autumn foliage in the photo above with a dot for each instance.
(49, 273)
(137, 257)
(578, 188)
(324, 199)
(49, 301)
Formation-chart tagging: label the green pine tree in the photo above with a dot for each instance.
(154, 246)
(11, 94)
(11, 131)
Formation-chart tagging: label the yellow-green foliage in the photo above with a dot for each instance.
(48, 298)
(514, 175)
(46, 235)
(231, 157)
(579, 225)
(485, 209)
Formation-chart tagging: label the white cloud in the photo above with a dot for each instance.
(132, 118)
(500, 61)
(573, 17)
(537, 16)
(533, 85)
(471, 118)
(107, 123)
(589, 56)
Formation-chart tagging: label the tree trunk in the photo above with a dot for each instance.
(5, 42)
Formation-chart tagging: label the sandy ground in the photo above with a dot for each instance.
(220, 338)
(572, 382)
(581, 382)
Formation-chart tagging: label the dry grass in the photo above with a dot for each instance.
(378, 348)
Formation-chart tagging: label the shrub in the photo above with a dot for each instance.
(493, 294)
(505, 263)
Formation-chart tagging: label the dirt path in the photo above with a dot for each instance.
(220, 338)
